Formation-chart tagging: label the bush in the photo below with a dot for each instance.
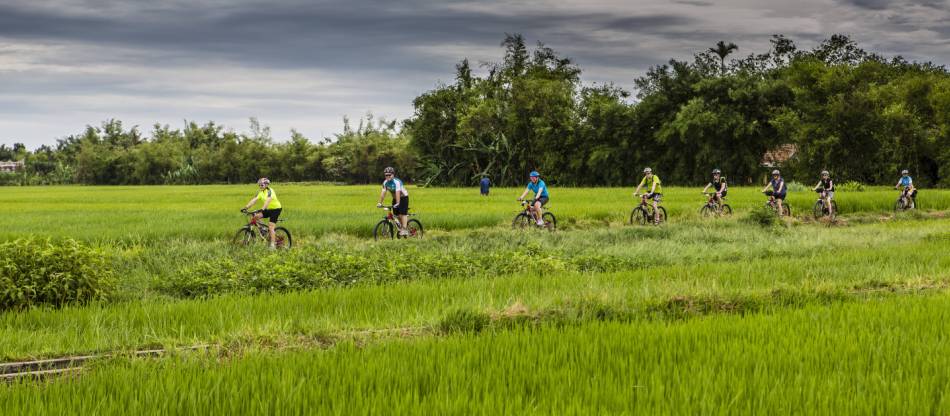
(36, 273)
(850, 186)
(464, 320)
(795, 186)
(763, 216)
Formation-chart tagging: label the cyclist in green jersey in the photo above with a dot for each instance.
(271, 208)
(651, 183)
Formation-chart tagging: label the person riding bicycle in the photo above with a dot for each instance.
(719, 185)
(826, 187)
(271, 208)
(540, 191)
(779, 189)
(400, 204)
(909, 190)
(652, 183)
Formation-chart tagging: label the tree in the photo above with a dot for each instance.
(722, 50)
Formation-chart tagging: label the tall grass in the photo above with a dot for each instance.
(878, 357)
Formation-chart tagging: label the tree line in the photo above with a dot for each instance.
(858, 114)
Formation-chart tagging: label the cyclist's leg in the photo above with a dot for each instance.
(656, 212)
(828, 197)
(273, 235)
(779, 202)
(538, 212)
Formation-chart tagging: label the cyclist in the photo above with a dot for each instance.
(271, 208)
(652, 183)
(826, 187)
(718, 184)
(393, 185)
(540, 190)
(909, 190)
(779, 190)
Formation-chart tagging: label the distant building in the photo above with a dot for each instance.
(776, 157)
(11, 166)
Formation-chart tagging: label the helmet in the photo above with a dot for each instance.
(534, 174)
(825, 173)
(776, 172)
(905, 172)
(647, 170)
(716, 171)
(389, 169)
(263, 181)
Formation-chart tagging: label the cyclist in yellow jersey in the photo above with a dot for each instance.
(271, 208)
(652, 184)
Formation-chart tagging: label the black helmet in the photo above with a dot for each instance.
(389, 169)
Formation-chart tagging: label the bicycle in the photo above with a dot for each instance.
(526, 218)
(643, 214)
(712, 206)
(772, 204)
(390, 226)
(257, 230)
(907, 201)
(821, 210)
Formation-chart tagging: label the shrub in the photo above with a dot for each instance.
(795, 186)
(763, 216)
(44, 273)
(850, 186)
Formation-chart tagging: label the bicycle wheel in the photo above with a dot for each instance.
(899, 205)
(521, 220)
(549, 221)
(243, 237)
(383, 230)
(706, 211)
(662, 216)
(726, 209)
(282, 238)
(819, 210)
(415, 228)
(638, 216)
(787, 209)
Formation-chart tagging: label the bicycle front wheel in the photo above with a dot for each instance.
(282, 238)
(726, 209)
(415, 228)
(521, 221)
(661, 218)
(706, 211)
(243, 237)
(638, 216)
(819, 209)
(383, 230)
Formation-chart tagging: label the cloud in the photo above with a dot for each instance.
(305, 64)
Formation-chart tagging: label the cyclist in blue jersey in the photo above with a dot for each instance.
(540, 191)
(393, 185)
(907, 183)
(779, 189)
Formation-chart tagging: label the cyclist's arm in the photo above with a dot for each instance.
(707, 187)
(382, 195)
(898, 184)
(398, 196)
(781, 187)
(816, 186)
(722, 186)
(653, 188)
(251, 203)
(523, 193)
(267, 203)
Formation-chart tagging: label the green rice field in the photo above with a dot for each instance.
(697, 316)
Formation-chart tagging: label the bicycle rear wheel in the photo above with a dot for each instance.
(243, 237)
(383, 230)
(282, 238)
(549, 221)
(521, 220)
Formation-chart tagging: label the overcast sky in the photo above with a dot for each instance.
(305, 64)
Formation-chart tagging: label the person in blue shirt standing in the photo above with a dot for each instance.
(909, 190)
(779, 190)
(485, 183)
(540, 190)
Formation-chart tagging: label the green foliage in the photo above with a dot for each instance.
(41, 272)
(763, 216)
(464, 320)
(850, 186)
